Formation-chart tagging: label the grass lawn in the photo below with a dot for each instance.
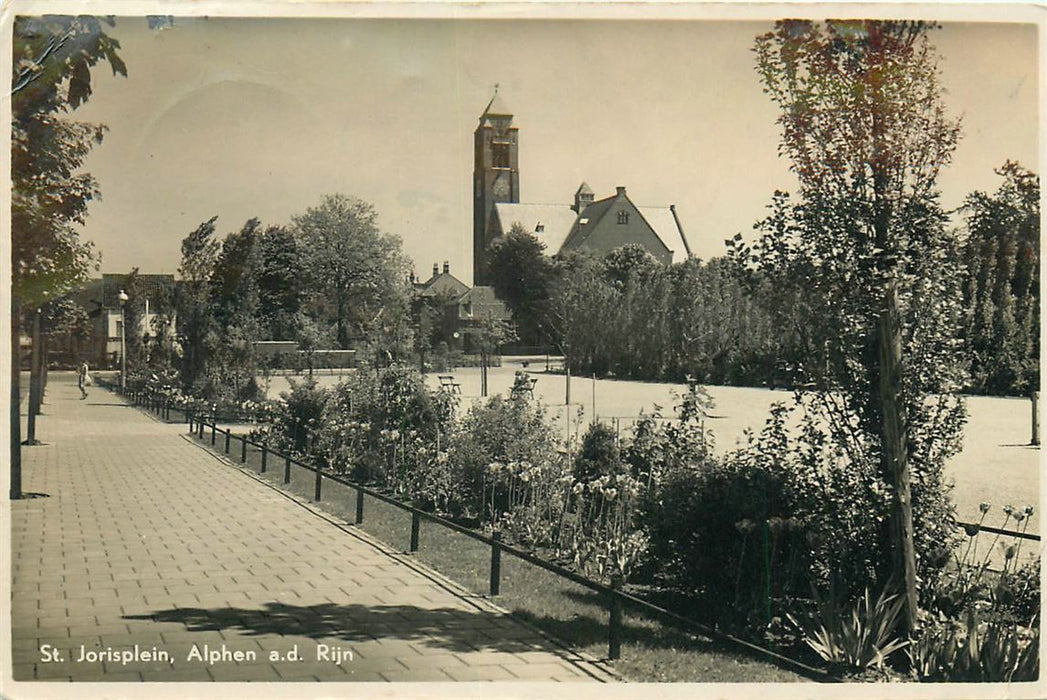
(651, 650)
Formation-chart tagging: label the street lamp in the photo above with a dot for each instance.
(122, 296)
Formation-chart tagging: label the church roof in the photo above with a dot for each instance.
(664, 223)
(555, 221)
(559, 220)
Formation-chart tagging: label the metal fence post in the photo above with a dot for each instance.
(214, 431)
(316, 489)
(265, 456)
(189, 419)
(614, 629)
(201, 425)
(287, 470)
(228, 434)
(359, 506)
(496, 563)
(243, 449)
(416, 524)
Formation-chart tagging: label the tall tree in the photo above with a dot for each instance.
(521, 273)
(53, 58)
(867, 133)
(280, 287)
(51, 75)
(196, 328)
(1002, 286)
(354, 272)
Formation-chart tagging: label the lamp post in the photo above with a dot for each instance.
(122, 296)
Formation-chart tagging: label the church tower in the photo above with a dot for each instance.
(496, 176)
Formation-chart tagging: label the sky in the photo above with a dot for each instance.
(262, 117)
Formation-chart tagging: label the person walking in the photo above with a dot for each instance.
(83, 379)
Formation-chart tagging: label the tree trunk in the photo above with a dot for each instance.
(885, 393)
(895, 457)
(15, 418)
(343, 334)
(34, 382)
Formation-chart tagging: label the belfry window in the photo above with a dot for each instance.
(623, 217)
(500, 155)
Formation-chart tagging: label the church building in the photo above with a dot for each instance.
(599, 225)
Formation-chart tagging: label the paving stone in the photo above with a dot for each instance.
(146, 538)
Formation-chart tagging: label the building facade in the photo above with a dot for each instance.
(596, 225)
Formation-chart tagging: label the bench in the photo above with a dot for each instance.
(447, 383)
(524, 385)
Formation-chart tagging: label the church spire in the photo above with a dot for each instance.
(496, 107)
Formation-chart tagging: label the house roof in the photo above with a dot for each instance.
(152, 285)
(485, 303)
(442, 283)
(556, 221)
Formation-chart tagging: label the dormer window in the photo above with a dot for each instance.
(623, 217)
(583, 221)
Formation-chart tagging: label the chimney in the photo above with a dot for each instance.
(621, 191)
(436, 269)
(447, 267)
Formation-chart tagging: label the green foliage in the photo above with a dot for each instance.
(856, 642)
(628, 315)
(725, 530)
(196, 325)
(51, 75)
(296, 426)
(598, 455)
(1002, 285)
(355, 275)
(385, 427)
(521, 275)
(280, 289)
(976, 651)
(1007, 593)
(865, 244)
(500, 431)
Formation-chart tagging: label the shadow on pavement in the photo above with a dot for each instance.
(445, 628)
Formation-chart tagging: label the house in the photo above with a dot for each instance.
(597, 225)
(101, 299)
(460, 312)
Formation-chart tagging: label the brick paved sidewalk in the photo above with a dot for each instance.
(144, 558)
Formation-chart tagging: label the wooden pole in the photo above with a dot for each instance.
(1035, 418)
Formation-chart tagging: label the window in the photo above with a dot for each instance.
(539, 228)
(623, 217)
(500, 155)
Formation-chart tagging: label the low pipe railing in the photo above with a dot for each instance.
(615, 597)
(613, 594)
